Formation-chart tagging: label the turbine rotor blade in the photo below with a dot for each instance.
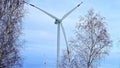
(70, 11)
(63, 30)
(42, 10)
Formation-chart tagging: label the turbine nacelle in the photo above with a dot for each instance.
(58, 21)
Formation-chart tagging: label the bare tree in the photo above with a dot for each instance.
(11, 13)
(91, 42)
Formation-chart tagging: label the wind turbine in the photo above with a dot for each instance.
(59, 23)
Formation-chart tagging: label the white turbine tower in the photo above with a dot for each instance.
(59, 23)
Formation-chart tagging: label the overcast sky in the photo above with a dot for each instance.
(39, 30)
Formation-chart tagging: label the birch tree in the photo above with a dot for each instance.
(11, 13)
(91, 42)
